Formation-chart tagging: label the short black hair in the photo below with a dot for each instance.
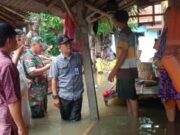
(121, 16)
(19, 33)
(6, 31)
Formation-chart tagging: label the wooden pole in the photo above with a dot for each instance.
(89, 78)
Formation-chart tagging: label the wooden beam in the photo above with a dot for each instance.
(95, 19)
(125, 2)
(96, 9)
(90, 15)
(127, 5)
(69, 12)
(11, 19)
(102, 15)
(51, 3)
(89, 78)
(17, 3)
(4, 18)
(14, 12)
(153, 10)
(92, 1)
(73, 3)
(57, 11)
(7, 16)
(88, 18)
(134, 16)
(7, 20)
(26, 4)
(97, 2)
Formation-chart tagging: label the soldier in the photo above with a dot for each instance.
(36, 72)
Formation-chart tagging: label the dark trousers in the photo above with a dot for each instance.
(71, 110)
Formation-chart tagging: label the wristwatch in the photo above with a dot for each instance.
(55, 96)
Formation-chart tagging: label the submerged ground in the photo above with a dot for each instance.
(114, 119)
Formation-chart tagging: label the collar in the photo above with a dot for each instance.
(125, 28)
(31, 52)
(4, 54)
(66, 58)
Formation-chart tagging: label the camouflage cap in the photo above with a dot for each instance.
(37, 39)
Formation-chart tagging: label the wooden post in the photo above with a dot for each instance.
(89, 78)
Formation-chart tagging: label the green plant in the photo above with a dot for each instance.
(49, 27)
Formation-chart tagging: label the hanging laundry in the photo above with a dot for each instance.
(69, 27)
(69, 30)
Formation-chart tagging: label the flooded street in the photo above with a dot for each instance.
(114, 119)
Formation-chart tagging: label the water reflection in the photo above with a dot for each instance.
(115, 121)
(130, 126)
(102, 80)
(148, 127)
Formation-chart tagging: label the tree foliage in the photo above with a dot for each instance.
(50, 26)
(105, 25)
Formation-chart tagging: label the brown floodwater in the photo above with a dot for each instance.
(114, 119)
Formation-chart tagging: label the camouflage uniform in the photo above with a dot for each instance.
(38, 85)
